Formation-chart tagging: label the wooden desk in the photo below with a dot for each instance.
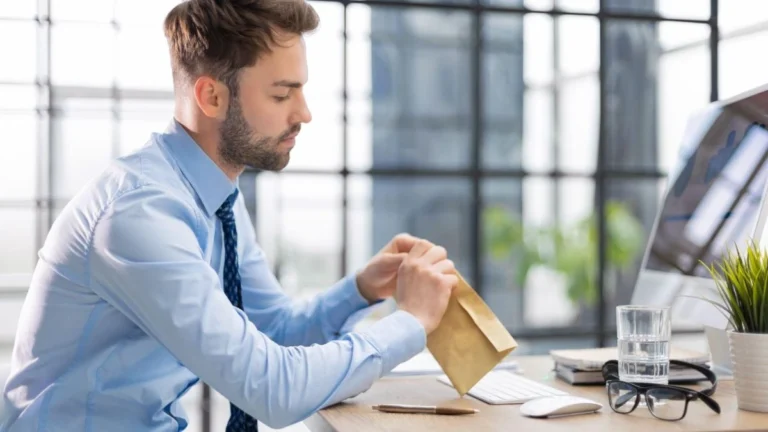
(356, 414)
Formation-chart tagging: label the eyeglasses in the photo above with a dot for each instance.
(665, 402)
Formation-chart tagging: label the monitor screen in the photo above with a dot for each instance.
(714, 193)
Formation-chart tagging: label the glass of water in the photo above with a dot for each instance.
(643, 334)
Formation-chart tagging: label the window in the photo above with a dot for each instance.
(401, 140)
(397, 142)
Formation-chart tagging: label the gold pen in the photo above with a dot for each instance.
(421, 409)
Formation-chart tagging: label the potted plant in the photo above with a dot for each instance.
(741, 278)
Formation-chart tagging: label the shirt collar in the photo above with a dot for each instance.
(210, 183)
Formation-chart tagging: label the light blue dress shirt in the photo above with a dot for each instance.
(126, 311)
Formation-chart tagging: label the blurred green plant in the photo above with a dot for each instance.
(570, 250)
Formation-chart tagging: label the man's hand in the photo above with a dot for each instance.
(425, 280)
(379, 277)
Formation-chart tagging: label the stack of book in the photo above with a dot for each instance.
(584, 366)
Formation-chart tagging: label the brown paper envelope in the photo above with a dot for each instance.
(470, 340)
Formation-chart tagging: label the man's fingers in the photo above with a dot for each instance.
(419, 249)
(392, 259)
(445, 266)
(450, 279)
(405, 242)
(435, 254)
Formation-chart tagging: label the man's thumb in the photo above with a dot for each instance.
(393, 259)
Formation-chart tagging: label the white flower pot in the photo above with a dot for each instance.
(749, 354)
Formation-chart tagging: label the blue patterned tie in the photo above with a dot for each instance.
(239, 421)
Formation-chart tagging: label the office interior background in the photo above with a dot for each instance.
(496, 128)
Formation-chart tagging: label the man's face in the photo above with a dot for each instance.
(266, 114)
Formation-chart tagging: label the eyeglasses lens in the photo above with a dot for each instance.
(621, 396)
(666, 404)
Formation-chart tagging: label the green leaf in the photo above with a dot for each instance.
(741, 278)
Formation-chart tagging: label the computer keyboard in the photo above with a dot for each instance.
(503, 387)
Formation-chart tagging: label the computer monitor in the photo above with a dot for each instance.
(714, 201)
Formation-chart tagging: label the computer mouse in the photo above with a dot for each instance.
(558, 405)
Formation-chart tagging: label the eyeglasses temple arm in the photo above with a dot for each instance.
(710, 402)
(705, 395)
(627, 397)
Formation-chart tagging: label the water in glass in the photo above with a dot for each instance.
(644, 360)
(643, 334)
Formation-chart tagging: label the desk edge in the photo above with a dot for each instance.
(317, 423)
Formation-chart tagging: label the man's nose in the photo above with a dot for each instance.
(303, 115)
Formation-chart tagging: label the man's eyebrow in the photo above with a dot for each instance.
(286, 83)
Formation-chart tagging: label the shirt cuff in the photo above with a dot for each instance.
(353, 291)
(347, 304)
(345, 292)
(397, 337)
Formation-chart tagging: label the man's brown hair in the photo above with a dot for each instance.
(219, 37)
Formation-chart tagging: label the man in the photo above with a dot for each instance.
(151, 279)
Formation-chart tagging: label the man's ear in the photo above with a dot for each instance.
(212, 97)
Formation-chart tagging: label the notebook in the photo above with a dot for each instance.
(575, 376)
(594, 358)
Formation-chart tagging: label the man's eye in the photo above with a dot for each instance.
(280, 98)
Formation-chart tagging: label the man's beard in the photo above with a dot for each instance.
(240, 146)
